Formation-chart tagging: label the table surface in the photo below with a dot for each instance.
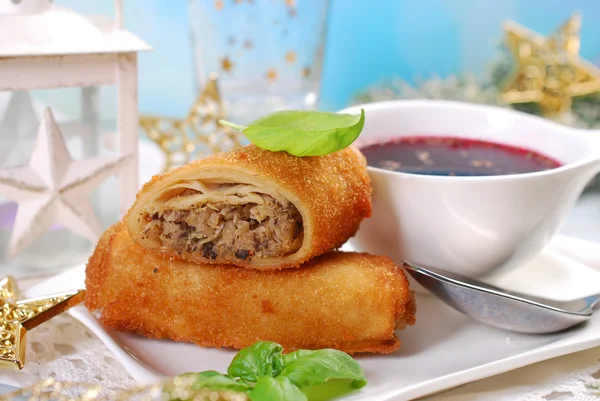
(544, 377)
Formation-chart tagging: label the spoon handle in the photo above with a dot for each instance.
(582, 305)
(592, 301)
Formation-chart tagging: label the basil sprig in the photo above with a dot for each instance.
(276, 388)
(303, 133)
(264, 358)
(263, 373)
(309, 369)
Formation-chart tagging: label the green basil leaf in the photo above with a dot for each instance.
(217, 381)
(185, 387)
(303, 133)
(318, 367)
(265, 358)
(332, 389)
(292, 356)
(276, 389)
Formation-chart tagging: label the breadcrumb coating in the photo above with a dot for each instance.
(349, 301)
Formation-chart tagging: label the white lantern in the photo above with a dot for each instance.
(43, 46)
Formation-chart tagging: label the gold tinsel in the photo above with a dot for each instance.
(51, 390)
(178, 388)
(198, 134)
(549, 70)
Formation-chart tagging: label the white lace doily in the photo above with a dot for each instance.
(580, 386)
(66, 350)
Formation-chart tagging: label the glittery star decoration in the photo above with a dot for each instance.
(53, 188)
(17, 317)
(271, 74)
(290, 57)
(195, 135)
(226, 64)
(549, 70)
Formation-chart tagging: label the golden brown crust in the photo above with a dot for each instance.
(347, 301)
(100, 260)
(332, 192)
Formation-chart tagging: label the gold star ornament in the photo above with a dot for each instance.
(549, 70)
(17, 317)
(198, 134)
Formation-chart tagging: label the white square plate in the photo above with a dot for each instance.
(443, 350)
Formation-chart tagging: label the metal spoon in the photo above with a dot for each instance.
(501, 308)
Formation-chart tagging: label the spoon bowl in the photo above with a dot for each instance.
(500, 308)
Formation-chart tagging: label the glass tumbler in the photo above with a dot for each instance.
(268, 54)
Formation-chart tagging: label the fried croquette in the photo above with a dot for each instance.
(349, 301)
(253, 208)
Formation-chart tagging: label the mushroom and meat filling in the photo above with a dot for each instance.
(260, 229)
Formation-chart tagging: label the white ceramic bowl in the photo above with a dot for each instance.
(471, 225)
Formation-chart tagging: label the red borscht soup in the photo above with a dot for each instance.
(454, 157)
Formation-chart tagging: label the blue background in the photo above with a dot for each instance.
(368, 41)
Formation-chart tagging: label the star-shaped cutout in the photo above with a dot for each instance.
(53, 188)
(549, 70)
(17, 317)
